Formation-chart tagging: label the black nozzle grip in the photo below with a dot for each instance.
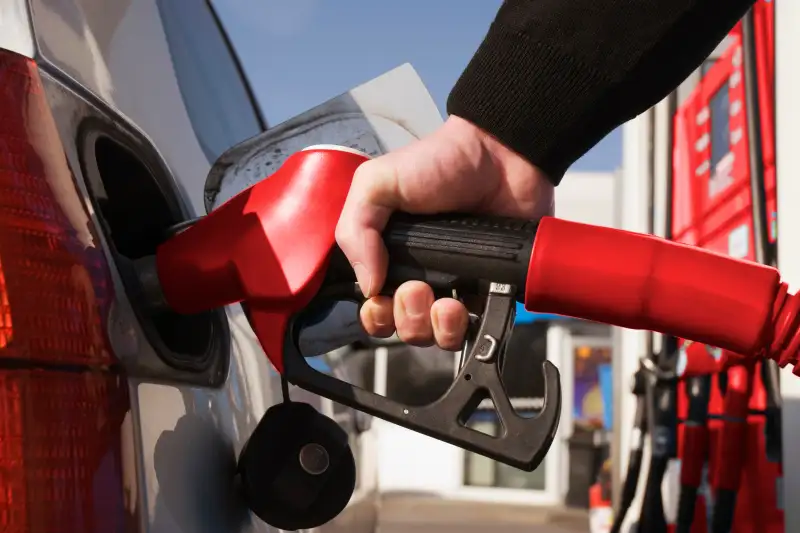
(452, 251)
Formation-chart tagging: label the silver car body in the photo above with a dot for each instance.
(164, 72)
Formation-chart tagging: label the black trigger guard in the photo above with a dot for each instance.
(522, 442)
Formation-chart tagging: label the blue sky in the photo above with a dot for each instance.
(299, 53)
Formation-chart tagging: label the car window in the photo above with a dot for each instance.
(220, 105)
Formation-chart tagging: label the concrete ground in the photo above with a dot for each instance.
(421, 514)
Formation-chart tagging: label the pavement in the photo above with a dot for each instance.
(428, 514)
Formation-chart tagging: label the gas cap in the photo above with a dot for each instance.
(297, 470)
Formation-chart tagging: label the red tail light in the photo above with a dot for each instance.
(62, 398)
(6, 326)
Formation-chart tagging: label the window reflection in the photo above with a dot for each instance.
(214, 89)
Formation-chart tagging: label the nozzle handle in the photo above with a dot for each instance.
(451, 252)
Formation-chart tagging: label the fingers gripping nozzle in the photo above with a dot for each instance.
(522, 442)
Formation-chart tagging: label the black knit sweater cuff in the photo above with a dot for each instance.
(528, 95)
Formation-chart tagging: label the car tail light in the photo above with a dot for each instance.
(5, 312)
(62, 396)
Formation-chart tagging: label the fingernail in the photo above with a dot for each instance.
(413, 307)
(448, 324)
(380, 316)
(364, 279)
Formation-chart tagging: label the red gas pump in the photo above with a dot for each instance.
(712, 181)
(724, 199)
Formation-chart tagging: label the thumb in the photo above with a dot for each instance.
(370, 203)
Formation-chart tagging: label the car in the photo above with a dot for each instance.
(116, 419)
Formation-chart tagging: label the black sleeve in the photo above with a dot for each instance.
(553, 77)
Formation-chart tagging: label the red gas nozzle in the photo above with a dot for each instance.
(269, 245)
(644, 282)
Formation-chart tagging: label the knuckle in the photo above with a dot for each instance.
(415, 289)
(450, 344)
(375, 182)
(450, 340)
(386, 331)
(365, 170)
(417, 338)
(342, 233)
(416, 332)
(346, 234)
(377, 318)
(381, 332)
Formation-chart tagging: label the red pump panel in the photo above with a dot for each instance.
(711, 184)
(721, 172)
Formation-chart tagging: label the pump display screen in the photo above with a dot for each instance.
(719, 108)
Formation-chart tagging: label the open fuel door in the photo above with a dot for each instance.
(381, 115)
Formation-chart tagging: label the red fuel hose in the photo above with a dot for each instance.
(640, 281)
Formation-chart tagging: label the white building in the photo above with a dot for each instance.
(410, 462)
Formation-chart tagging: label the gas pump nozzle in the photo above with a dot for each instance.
(272, 248)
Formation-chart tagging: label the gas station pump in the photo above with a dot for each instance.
(725, 200)
(721, 190)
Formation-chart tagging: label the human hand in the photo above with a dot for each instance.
(457, 168)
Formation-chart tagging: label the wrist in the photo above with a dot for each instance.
(491, 155)
(510, 162)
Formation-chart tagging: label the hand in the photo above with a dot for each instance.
(457, 168)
